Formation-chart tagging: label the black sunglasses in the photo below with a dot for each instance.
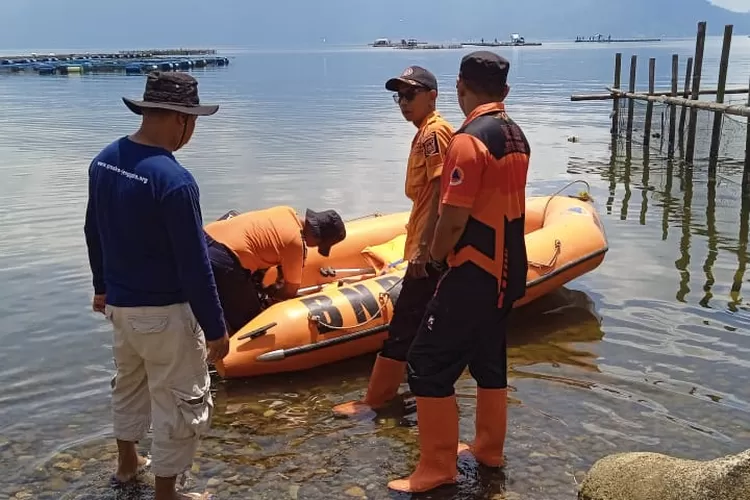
(409, 94)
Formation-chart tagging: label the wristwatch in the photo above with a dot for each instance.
(439, 266)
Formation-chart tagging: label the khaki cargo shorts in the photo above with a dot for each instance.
(162, 379)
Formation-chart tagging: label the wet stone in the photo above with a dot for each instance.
(536, 469)
(56, 484)
(355, 491)
(293, 491)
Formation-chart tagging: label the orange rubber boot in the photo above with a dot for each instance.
(386, 377)
(491, 426)
(437, 420)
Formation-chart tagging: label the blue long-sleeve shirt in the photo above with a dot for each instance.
(144, 233)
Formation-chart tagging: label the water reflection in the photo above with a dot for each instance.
(742, 253)
(692, 217)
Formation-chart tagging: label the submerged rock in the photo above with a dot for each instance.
(653, 476)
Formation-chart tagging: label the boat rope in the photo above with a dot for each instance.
(381, 298)
(583, 196)
(366, 216)
(546, 268)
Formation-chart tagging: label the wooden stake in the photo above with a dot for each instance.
(700, 42)
(631, 87)
(616, 103)
(650, 105)
(718, 116)
(609, 97)
(685, 94)
(746, 172)
(673, 108)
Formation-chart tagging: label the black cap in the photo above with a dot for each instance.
(416, 76)
(327, 227)
(485, 66)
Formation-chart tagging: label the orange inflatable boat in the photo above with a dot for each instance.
(338, 320)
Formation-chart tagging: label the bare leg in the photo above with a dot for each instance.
(165, 490)
(128, 461)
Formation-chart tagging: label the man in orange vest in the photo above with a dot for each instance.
(416, 93)
(241, 248)
(480, 233)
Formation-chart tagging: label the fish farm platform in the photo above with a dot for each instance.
(133, 62)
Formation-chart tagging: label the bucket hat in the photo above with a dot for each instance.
(174, 91)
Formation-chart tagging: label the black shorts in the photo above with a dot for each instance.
(462, 326)
(407, 313)
(238, 292)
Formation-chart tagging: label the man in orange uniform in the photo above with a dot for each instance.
(416, 92)
(243, 247)
(480, 233)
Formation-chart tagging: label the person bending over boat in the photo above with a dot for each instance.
(416, 94)
(153, 281)
(480, 233)
(243, 247)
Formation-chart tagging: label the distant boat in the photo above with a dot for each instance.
(411, 43)
(599, 38)
(381, 42)
(516, 40)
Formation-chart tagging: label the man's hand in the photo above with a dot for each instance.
(99, 303)
(418, 264)
(217, 349)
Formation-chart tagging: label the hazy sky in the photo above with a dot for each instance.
(101, 24)
(738, 5)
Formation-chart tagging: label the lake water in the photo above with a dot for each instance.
(648, 352)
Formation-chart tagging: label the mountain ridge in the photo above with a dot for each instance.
(285, 23)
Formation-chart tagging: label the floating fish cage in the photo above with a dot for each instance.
(101, 64)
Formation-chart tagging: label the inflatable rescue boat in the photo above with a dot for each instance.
(337, 320)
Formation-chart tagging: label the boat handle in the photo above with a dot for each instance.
(546, 268)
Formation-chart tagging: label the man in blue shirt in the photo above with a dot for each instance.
(153, 280)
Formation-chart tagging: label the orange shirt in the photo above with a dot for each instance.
(264, 238)
(485, 170)
(425, 164)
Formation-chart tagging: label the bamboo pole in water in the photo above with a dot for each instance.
(673, 108)
(650, 105)
(607, 97)
(730, 109)
(616, 101)
(700, 42)
(746, 172)
(685, 94)
(718, 116)
(631, 104)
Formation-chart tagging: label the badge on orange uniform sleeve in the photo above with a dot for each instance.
(430, 144)
(457, 176)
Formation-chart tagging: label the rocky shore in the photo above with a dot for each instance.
(653, 476)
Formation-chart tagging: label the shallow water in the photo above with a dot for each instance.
(648, 352)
